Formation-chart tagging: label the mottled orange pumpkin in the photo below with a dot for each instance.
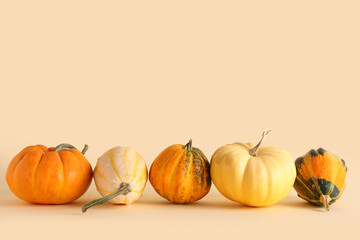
(181, 174)
(49, 175)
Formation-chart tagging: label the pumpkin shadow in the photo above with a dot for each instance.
(19, 203)
(303, 205)
(224, 205)
(14, 203)
(198, 204)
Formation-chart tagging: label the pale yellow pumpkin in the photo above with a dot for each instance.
(253, 175)
(120, 176)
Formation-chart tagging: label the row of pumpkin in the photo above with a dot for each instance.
(245, 173)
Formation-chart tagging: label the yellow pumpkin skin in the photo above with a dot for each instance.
(181, 174)
(257, 181)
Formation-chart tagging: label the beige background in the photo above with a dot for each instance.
(148, 74)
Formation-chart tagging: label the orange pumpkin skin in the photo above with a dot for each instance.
(41, 175)
(181, 174)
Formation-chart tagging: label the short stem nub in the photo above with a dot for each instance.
(253, 151)
(325, 200)
(188, 145)
(86, 147)
(124, 189)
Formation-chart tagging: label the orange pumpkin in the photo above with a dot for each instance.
(181, 174)
(49, 175)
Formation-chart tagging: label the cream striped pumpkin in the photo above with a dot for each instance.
(120, 176)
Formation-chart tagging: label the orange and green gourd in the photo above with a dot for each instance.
(320, 177)
(181, 174)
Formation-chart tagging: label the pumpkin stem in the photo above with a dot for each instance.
(188, 145)
(86, 147)
(253, 151)
(325, 200)
(124, 189)
(59, 147)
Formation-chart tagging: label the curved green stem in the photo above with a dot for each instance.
(188, 145)
(59, 147)
(124, 189)
(253, 151)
